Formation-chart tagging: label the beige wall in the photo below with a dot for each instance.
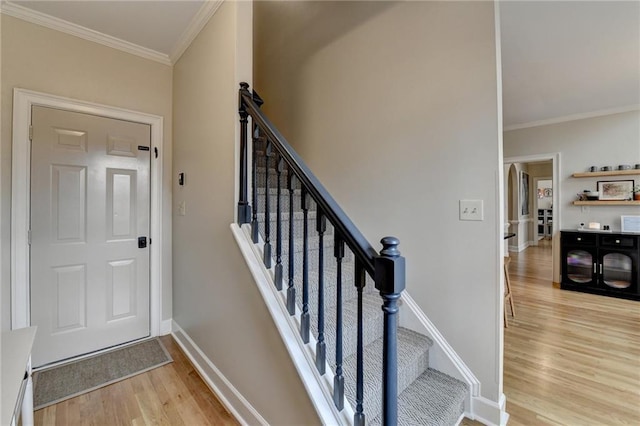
(215, 298)
(601, 141)
(396, 113)
(48, 61)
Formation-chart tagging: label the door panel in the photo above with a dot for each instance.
(121, 204)
(121, 286)
(89, 203)
(69, 301)
(68, 203)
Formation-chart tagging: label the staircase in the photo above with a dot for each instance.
(344, 291)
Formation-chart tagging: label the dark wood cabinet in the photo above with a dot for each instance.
(601, 263)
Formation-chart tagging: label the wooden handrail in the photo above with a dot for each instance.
(338, 218)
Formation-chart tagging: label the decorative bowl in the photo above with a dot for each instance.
(592, 195)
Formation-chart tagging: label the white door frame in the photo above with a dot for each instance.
(557, 207)
(23, 100)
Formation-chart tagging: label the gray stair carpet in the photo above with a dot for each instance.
(426, 396)
(432, 399)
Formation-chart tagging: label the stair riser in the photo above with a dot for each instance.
(372, 327)
(349, 290)
(261, 173)
(409, 369)
(284, 202)
(298, 227)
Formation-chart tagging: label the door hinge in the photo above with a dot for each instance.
(155, 150)
(31, 133)
(29, 237)
(149, 240)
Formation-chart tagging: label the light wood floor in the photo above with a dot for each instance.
(569, 359)
(173, 394)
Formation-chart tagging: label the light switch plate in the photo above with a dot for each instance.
(182, 208)
(471, 210)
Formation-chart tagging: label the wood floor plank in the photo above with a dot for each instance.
(173, 394)
(570, 358)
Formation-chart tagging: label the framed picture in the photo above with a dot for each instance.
(615, 189)
(524, 193)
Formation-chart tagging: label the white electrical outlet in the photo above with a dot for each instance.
(471, 210)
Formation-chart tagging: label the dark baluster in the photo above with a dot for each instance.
(267, 211)
(390, 281)
(358, 417)
(304, 319)
(338, 379)
(254, 184)
(291, 290)
(278, 273)
(321, 346)
(244, 210)
(254, 174)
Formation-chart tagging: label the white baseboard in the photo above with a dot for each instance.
(230, 397)
(490, 412)
(442, 356)
(165, 327)
(519, 248)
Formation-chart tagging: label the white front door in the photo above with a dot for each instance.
(90, 185)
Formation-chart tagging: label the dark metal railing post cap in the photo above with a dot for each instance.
(390, 246)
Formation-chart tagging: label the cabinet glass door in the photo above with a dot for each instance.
(579, 266)
(617, 270)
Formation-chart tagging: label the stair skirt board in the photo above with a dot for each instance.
(318, 387)
(412, 318)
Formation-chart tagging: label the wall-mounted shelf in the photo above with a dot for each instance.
(606, 203)
(610, 173)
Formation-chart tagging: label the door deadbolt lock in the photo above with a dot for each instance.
(142, 242)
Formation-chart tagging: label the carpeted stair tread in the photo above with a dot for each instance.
(434, 398)
(372, 316)
(413, 360)
(349, 289)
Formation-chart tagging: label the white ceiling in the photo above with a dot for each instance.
(559, 58)
(562, 58)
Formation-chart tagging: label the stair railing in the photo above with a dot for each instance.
(386, 268)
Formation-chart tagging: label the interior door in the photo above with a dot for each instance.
(90, 185)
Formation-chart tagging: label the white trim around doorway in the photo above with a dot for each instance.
(555, 159)
(23, 100)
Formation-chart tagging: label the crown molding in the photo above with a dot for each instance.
(573, 117)
(199, 20)
(67, 27)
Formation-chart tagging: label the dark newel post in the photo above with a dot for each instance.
(304, 318)
(291, 290)
(338, 379)
(360, 281)
(267, 210)
(321, 346)
(278, 273)
(244, 210)
(390, 281)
